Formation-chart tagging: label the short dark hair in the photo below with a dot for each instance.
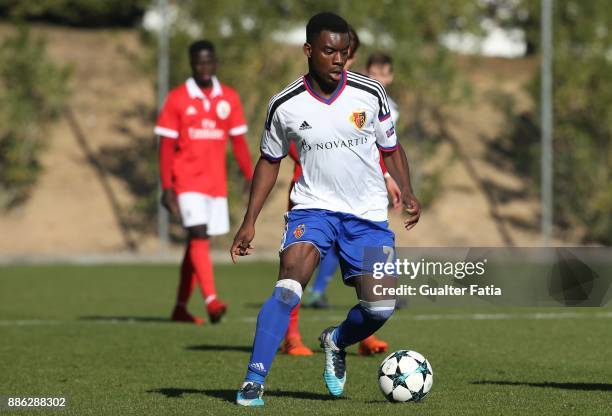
(201, 45)
(355, 42)
(379, 58)
(325, 21)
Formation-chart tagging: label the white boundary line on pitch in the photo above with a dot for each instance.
(26, 322)
(466, 317)
(417, 317)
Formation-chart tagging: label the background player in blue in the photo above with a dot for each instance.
(337, 120)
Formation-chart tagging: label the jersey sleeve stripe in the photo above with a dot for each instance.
(282, 98)
(369, 81)
(384, 117)
(290, 86)
(163, 131)
(272, 158)
(238, 130)
(376, 86)
(284, 90)
(382, 112)
(381, 95)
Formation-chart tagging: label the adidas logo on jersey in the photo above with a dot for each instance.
(191, 111)
(305, 125)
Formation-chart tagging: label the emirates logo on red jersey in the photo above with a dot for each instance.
(209, 131)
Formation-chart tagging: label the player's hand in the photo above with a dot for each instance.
(242, 241)
(169, 201)
(413, 208)
(394, 192)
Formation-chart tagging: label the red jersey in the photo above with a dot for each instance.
(297, 168)
(201, 124)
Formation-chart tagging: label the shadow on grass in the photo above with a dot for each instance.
(306, 395)
(343, 308)
(384, 401)
(177, 393)
(230, 395)
(216, 347)
(248, 348)
(552, 384)
(127, 319)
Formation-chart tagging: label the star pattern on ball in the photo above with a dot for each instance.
(418, 395)
(419, 375)
(423, 368)
(399, 378)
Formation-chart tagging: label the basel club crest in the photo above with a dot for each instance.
(299, 231)
(358, 118)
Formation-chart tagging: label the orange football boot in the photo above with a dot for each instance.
(294, 346)
(372, 345)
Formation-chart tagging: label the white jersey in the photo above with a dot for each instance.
(394, 110)
(337, 140)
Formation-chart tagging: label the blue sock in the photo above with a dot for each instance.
(359, 324)
(327, 270)
(272, 323)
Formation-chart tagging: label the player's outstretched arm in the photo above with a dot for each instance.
(397, 165)
(264, 179)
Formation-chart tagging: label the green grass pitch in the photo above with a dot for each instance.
(99, 336)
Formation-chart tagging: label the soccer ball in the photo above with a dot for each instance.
(405, 376)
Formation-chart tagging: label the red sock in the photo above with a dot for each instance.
(293, 330)
(187, 280)
(200, 259)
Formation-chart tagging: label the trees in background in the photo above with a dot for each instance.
(82, 13)
(583, 117)
(33, 88)
(32, 94)
(255, 61)
(582, 107)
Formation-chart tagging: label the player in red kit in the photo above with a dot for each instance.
(194, 124)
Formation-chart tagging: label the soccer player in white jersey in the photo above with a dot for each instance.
(338, 121)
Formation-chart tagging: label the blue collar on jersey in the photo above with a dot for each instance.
(333, 97)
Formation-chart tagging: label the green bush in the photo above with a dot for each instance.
(85, 13)
(583, 117)
(32, 93)
(582, 106)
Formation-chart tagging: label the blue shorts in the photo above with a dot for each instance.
(354, 238)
